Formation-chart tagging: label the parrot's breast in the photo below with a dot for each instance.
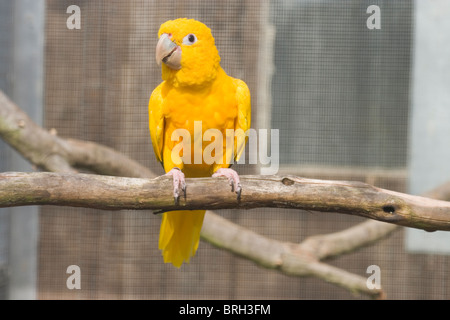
(212, 109)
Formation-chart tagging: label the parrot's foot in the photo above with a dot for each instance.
(233, 179)
(179, 183)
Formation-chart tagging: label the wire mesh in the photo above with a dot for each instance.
(339, 94)
(5, 151)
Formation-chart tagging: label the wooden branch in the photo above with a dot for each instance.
(441, 192)
(286, 257)
(115, 193)
(346, 241)
(52, 153)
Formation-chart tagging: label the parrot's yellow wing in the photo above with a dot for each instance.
(156, 122)
(243, 117)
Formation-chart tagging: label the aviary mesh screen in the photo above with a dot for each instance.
(336, 91)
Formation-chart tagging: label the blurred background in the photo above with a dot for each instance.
(352, 100)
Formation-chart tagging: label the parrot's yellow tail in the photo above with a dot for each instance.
(179, 235)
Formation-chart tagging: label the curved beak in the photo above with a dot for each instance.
(168, 52)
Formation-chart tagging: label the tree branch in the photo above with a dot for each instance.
(289, 258)
(116, 193)
(49, 152)
(52, 153)
(346, 241)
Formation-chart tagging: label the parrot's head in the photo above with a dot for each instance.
(187, 52)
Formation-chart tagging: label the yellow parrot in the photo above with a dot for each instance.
(195, 90)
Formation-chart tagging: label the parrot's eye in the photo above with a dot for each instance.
(190, 39)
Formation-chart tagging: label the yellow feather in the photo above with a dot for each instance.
(244, 115)
(180, 235)
(199, 91)
(156, 122)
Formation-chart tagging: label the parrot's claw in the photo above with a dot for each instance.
(179, 184)
(233, 179)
